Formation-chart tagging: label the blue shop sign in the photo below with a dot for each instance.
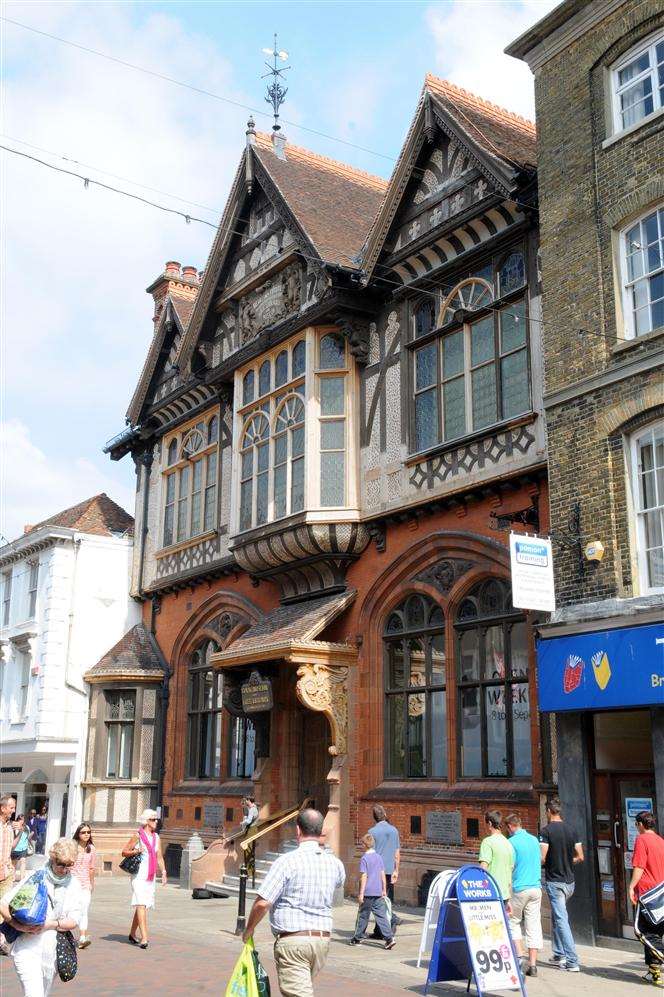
(602, 670)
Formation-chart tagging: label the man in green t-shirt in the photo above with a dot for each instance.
(496, 853)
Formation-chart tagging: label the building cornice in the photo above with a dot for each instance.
(32, 543)
(560, 29)
(630, 368)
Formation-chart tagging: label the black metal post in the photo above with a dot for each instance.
(242, 899)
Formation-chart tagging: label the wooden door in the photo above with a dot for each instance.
(315, 760)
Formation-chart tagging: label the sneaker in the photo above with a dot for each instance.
(355, 941)
(531, 971)
(558, 960)
(390, 945)
(573, 969)
(654, 978)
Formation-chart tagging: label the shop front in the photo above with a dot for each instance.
(607, 691)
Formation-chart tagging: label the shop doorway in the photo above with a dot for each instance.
(623, 784)
(315, 761)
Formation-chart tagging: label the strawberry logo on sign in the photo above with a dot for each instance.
(574, 666)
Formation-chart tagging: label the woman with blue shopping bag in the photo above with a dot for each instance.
(50, 893)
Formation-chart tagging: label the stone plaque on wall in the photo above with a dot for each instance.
(213, 815)
(444, 827)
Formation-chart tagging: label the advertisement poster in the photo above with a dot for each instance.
(489, 941)
(633, 806)
(531, 561)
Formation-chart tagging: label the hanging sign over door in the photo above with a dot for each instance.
(256, 694)
(531, 560)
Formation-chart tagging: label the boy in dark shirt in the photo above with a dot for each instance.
(372, 895)
(561, 851)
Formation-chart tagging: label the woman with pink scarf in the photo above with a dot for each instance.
(146, 844)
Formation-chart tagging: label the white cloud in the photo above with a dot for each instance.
(470, 36)
(37, 485)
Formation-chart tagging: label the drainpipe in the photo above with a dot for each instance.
(165, 695)
(70, 629)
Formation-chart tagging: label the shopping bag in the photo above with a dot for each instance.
(30, 903)
(243, 981)
(262, 979)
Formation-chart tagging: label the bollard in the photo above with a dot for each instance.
(242, 900)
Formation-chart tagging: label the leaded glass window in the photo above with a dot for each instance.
(254, 470)
(492, 685)
(288, 443)
(190, 482)
(204, 715)
(415, 696)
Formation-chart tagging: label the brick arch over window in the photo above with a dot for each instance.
(615, 419)
(649, 193)
(444, 566)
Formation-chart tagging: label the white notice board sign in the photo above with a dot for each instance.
(532, 573)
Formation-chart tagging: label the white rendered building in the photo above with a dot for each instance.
(64, 587)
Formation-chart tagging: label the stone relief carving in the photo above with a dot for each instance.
(324, 689)
(445, 573)
(356, 331)
(273, 300)
(223, 625)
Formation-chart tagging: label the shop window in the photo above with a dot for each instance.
(415, 698)
(638, 83)
(120, 720)
(204, 716)
(648, 489)
(243, 748)
(493, 706)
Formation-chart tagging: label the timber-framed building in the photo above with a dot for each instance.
(335, 427)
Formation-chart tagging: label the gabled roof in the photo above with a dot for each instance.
(98, 515)
(331, 204)
(502, 143)
(136, 655)
(175, 306)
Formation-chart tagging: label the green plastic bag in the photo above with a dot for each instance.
(262, 979)
(243, 981)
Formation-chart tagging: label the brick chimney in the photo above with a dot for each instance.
(183, 281)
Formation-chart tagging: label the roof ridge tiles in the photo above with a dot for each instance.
(481, 102)
(264, 139)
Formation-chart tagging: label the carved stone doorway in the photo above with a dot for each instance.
(314, 758)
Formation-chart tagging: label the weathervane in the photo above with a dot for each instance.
(276, 94)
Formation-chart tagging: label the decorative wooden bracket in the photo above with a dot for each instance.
(324, 689)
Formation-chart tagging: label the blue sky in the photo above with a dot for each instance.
(76, 322)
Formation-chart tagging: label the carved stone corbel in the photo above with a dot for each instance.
(324, 689)
(356, 332)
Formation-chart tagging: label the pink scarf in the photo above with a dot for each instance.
(152, 852)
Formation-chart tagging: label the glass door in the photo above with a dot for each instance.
(632, 794)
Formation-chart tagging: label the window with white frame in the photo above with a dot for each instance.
(6, 597)
(23, 669)
(643, 273)
(648, 470)
(190, 481)
(638, 83)
(33, 582)
(277, 396)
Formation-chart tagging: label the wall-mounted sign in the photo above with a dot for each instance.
(256, 694)
(213, 815)
(444, 827)
(603, 670)
(11, 768)
(635, 805)
(531, 561)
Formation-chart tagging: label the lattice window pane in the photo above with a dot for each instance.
(484, 396)
(332, 352)
(482, 346)
(426, 419)
(332, 400)
(454, 408)
(396, 736)
(333, 479)
(514, 384)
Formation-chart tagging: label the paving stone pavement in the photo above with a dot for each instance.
(193, 950)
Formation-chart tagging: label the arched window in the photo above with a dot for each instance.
(172, 452)
(332, 352)
(492, 680)
(288, 445)
(281, 369)
(254, 471)
(248, 387)
(190, 487)
(648, 502)
(213, 430)
(415, 703)
(468, 296)
(299, 358)
(204, 703)
(264, 378)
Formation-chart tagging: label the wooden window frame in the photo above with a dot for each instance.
(208, 455)
(121, 723)
(195, 711)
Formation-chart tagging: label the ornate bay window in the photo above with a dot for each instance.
(292, 431)
(190, 481)
(472, 369)
(204, 717)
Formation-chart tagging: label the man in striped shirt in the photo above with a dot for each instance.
(298, 891)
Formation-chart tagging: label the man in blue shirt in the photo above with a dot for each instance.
(387, 844)
(526, 899)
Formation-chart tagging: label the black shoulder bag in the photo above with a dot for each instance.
(66, 959)
(131, 864)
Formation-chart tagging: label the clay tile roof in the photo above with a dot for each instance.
(183, 307)
(334, 203)
(99, 515)
(501, 133)
(298, 622)
(135, 655)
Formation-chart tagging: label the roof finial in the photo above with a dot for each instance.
(276, 94)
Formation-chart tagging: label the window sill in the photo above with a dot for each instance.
(425, 791)
(629, 344)
(239, 787)
(649, 119)
(183, 544)
(449, 445)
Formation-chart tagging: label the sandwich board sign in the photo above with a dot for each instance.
(434, 900)
(473, 940)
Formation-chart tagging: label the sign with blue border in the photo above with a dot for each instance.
(473, 940)
(602, 670)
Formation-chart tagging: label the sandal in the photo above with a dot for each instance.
(134, 941)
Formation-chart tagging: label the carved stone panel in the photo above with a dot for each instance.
(324, 689)
(275, 299)
(445, 573)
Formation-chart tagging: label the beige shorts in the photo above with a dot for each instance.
(527, 907)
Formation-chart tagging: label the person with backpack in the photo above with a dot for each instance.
(647, 873)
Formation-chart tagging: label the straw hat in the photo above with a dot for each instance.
(148, 815)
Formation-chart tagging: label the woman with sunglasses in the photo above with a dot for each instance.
(146, 844)
(84, 871)
(33, 951)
